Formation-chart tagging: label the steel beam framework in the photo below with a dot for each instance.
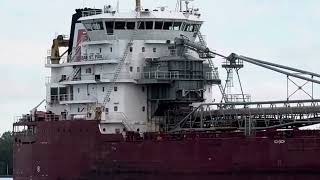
(251, 116)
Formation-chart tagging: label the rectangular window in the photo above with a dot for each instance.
(115, 88)
(115, 108)
(154, 50)
(97, 26)
(120, 25)
(143, 49)
(88, 27)
(100, 50)
(97, 77)
(141, 25)
(78, 90)
(110, 49)
(143, 108)
(63, 90)
(191, 28)
(158, 25)
(149, 25)
(102, 89)
(177, 26)
(167, 26)
(131, 25)
(63, 77)
(131, 49)
(186, 27)
(131, 68)
(88, 70)
(109, 27)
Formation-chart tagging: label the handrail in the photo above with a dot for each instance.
(125, 121)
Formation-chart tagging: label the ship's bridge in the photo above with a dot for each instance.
(143, 25)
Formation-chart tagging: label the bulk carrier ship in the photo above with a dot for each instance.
(132, 98)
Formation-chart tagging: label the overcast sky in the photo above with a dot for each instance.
(285, 32)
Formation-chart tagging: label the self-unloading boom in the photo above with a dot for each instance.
(200, 48)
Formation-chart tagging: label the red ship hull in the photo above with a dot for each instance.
(68, 150)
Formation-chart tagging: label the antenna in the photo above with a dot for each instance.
(187, 2)
(138, 5)
(118, 6)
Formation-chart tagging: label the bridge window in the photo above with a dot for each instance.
(109, 27)
(177, 26)
(149, 25)
(167, 25)
(88, 27)
(141, 25)
(192, 28)
(158, 25)
(131, 25)
(97, 26)
(189, 28)
(186, 27)
(120, 25)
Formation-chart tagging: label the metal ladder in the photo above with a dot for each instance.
(73, 74)
(74, 53)
(117, 72)
(71, 58)
(214, 69)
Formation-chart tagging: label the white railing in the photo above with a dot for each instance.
(91, 12)
(63, 60)
(168, 75)
(90, 77)
(212, 75)
(61, 98)
(236, 98)
(160, 75)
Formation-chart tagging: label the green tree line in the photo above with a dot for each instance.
(6, 153)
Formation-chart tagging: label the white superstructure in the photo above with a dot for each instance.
(104, 42)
